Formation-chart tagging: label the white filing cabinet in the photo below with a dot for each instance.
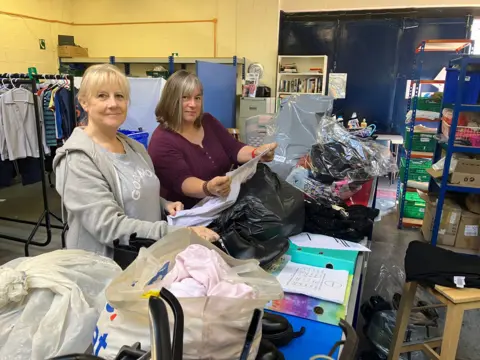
(251, 107)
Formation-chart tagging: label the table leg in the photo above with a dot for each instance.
(396, 148)
(451, 334)
(403, 316)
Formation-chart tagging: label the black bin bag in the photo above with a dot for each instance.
(268, 210)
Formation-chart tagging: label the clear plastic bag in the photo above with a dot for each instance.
(390, 285)
(49, 304)
(334, 193)
(423, 325)
(295, 128)
(381, 328)
(339, 155)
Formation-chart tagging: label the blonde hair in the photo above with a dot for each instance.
(98, 75)
(169, 108)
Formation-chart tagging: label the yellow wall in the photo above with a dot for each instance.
(247, 28)
(19, 37)
(328, 5)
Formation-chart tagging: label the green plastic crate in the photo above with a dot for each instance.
(418, 169)
(429, 104)
(422, 141)
(414, 206)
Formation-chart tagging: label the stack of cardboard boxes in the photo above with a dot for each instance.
(458, 226)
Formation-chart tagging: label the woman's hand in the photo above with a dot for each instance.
(269, 155)
(173, 207)
(219, 186)
(205, 233)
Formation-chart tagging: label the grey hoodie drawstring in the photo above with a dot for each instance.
(65, 170)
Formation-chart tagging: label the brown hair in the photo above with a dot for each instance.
(169, 108)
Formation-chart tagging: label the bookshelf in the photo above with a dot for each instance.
(301, 75)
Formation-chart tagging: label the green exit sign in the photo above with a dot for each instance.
(42, 44)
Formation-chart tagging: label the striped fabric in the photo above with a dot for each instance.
(49, 119)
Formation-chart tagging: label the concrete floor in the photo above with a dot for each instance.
(388, 247)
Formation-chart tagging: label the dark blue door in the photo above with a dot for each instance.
(219, 89)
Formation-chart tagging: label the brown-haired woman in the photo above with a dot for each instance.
(191, 150)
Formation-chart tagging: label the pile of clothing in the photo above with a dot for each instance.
(352, 223)
(200, 272)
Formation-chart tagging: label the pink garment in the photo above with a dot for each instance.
(199, 272)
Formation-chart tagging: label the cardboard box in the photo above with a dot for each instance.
(69, 51)
(467, 173)
(451, 215)
(468, 231)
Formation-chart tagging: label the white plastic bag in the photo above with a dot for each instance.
(49, 304)
(215, 327)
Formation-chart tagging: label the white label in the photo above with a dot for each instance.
(467, 78)
(424, 139)
(442, 232)
(471, 230)
(459, 281)
(453, 218)
(279, 158)
(421, 210)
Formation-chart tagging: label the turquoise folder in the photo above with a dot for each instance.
(331, 259)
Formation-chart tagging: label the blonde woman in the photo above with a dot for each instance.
(191, 150)
(106, 180)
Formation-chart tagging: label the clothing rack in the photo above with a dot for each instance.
(45, 218)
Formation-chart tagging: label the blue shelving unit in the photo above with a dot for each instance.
(450, 148)
(454, 46)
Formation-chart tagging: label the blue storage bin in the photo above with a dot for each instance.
(471, 90)
(140, 136)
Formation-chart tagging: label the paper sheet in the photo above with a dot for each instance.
(209, 208)
(321, 283)
(326, 242)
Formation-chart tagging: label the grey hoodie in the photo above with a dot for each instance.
(90, 190)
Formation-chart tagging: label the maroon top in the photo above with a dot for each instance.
(176, 159)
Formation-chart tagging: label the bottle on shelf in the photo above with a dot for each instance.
(353, 122)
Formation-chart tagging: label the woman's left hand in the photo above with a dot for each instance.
(173, 207)
(269, 155)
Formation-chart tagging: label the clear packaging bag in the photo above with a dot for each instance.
(334, 193)
(381, 329)
(49, 304)
(295, 128)
(423, 325)
(391, 282)
(339, 155)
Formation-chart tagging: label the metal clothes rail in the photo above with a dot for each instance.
(44, 219)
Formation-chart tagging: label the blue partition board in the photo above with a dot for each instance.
(219, 89)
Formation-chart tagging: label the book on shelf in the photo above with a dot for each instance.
(299, 85)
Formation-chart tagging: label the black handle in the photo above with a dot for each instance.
(252, 329)
(159, 330)
(178, 328)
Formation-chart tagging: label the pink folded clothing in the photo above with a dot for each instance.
(199, 272)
